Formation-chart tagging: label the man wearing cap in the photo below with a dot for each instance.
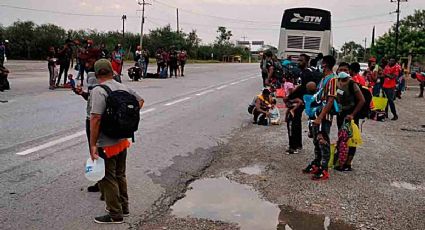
(114, 184)
(351, 99)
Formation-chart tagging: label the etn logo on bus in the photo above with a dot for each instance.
(306, 19)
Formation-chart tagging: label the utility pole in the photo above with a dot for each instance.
(365, 48)
(397, 25)
(142, 3)
(124, 17)
(178, 25)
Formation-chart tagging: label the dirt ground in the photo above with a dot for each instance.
(386, 190)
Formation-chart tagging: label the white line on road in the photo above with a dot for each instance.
(178, 101)
(244, 80)
(205, 92)
(52, 143)
(222, 87)
(147, 111)
(235, 83)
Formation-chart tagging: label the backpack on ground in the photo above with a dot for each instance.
(122, 114)
(365, 112)
(251, 106)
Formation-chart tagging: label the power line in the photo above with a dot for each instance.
(364, 24)
(60, 12)
(214, 16)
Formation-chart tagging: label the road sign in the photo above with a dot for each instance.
(257, 43)
(243, 42)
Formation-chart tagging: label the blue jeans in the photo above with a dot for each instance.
(145, 69)
(376, 90)
(390, 94)
(322, 146)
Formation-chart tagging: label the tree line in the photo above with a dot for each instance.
(28, 40)
(411, 41)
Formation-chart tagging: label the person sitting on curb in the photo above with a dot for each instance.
(262, 106)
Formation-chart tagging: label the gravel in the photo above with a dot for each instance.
(364, 197)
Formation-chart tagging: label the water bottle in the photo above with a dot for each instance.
(95, 170)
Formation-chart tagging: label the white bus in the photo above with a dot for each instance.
(305, 30)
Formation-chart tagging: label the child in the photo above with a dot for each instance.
(70, 83)
(274, 113)
(310, 101)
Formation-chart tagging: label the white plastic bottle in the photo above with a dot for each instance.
(95, 170)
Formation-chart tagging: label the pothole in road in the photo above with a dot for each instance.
(224, 200)
(406, 185)
(253, 170)
(291, 219)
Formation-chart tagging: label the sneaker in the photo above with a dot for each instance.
(395, 118)
(124, 213)
(311, 169)
(321, 175)
(93, 188)
(107, 219)
(291, 151)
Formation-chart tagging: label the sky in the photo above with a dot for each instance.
(352, 20)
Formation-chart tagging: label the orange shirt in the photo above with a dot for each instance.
(359, 79)
(391, 83)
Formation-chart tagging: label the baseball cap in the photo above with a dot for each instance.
(102, 64)
(343, 75)
(372, 59)
(266, 91)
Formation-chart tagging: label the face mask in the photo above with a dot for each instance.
(320, 69)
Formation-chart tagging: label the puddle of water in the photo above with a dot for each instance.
(405, 185)
(221, 199)
(224, 200)
(252, 170)
(290, 218)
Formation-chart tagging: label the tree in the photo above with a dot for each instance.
(352, 51)
(412, 38)
(223, 35)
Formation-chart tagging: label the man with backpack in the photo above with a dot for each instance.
(351, 100)
(114, 117)
(326, 96)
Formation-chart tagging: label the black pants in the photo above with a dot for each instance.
(182, 64)
(390, 94)
(88, 131)
(260, 117)
(340, 121)
(51, 75)
(264, 76)
(421, 88)
(173, 69)
(294, 127)
(64, 67)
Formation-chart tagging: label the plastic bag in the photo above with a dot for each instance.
(280, 93)
(95, 170)
(356, 140)
(380, 103)
(332, 157)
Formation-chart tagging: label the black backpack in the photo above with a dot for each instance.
(365, 112)
(122, 114)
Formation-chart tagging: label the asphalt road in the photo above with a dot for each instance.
(43, 147)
